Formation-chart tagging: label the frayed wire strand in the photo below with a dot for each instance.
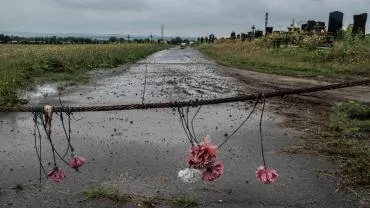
(38, 151)
(54, 150)
(192, 123)
(48, 134)
(261, 137)
(188, 127)
(242, 124)
(146, 72)
(181, 114)
(68, 135)
(187, 124)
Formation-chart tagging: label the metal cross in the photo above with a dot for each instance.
(253, 28)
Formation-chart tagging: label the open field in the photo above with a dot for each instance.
(346, 60)
(20, 64)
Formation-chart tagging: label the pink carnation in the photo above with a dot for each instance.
(266, 175)
(56, 174)
(77, 162)
(202, 156)
(213, 172)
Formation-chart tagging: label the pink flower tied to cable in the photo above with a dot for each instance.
(266, 175)
(213, 172)
(76, 162)
(56, 174)
(203, 156)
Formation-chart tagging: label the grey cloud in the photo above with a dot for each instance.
(123, 5)
(187, 18)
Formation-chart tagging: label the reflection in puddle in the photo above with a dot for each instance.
(41, 91)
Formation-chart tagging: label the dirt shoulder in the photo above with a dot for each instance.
(271, 81)
(311, 113)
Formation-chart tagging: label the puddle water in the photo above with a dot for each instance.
(40, 91)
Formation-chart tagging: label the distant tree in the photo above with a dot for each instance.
(113, 39)
(212, 38)
(206, 39)
(178, 40)
(233, 35)
(53, 40)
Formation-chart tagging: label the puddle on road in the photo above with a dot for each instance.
(40, 91)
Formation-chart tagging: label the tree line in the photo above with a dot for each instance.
(7, 39)
(47, 40)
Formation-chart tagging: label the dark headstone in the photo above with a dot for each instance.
(311, 25)
(243, 36)
(304, 27)
(335, 22)
(319, 26)
(258, 33)
(269, 30)
(359, 24)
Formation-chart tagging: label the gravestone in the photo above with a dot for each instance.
(359, 24)
(269, 30)
(258, 33)
(335, 22)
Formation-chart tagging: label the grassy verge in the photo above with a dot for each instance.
(22, 64)
(103, 193)
(141, 201)
(344, 61)
(345, 138)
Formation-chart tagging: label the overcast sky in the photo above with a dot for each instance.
(180, 17)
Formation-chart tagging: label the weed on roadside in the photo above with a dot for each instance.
(104, 193)
(185, 201)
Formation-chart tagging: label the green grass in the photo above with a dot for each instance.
(103, 193)
(351, 118)
(185, 201)
(345, 138)
(352, 121)
(344, 61)
(21, 65)
(98, 193)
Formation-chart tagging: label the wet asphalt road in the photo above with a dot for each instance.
(141, 152)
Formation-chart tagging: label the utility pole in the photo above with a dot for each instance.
(128, 38)
(162, 32)
(266, 22)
